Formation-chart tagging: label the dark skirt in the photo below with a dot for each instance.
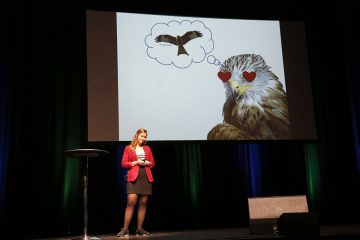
(141, 185)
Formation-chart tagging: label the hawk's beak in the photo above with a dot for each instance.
(244, 88)
(237, 88)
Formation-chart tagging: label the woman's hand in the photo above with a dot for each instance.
(147, 163)
(137, 162)
(143, 163)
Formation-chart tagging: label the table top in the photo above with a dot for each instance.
(83, 152)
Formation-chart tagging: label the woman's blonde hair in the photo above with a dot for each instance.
(134, 141)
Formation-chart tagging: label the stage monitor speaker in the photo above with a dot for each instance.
(299, 225)
(265, 211)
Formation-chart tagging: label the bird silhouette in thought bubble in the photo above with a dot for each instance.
(179, 41)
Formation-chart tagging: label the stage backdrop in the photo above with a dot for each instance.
(43, 112)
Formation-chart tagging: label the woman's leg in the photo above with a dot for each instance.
(131, 201)
(142, 210)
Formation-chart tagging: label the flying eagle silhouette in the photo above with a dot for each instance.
(179, 41)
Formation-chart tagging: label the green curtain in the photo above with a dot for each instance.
(313, 175)
(188, 160)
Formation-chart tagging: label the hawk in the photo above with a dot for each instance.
(179, 41)
(256, 105)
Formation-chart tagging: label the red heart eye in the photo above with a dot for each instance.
(249, 76)
(224, 76)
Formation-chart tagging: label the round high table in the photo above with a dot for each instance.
(85, 154)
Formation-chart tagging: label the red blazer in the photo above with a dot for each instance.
(130, 156)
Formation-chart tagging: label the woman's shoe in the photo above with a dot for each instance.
(141, 232)
(124, 232)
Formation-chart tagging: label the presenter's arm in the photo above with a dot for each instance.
(151, 159)
(126, 161)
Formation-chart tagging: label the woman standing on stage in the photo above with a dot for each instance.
(139, 160)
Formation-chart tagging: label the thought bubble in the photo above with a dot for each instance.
(179, 43)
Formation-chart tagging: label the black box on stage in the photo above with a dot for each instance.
(298, 225)
(265, 211)
(263, 226)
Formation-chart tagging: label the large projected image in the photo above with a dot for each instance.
(197, 78)
(186, 78)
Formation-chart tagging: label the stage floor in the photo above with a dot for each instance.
(345, 232)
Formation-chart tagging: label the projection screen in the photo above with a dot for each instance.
(195, 78)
